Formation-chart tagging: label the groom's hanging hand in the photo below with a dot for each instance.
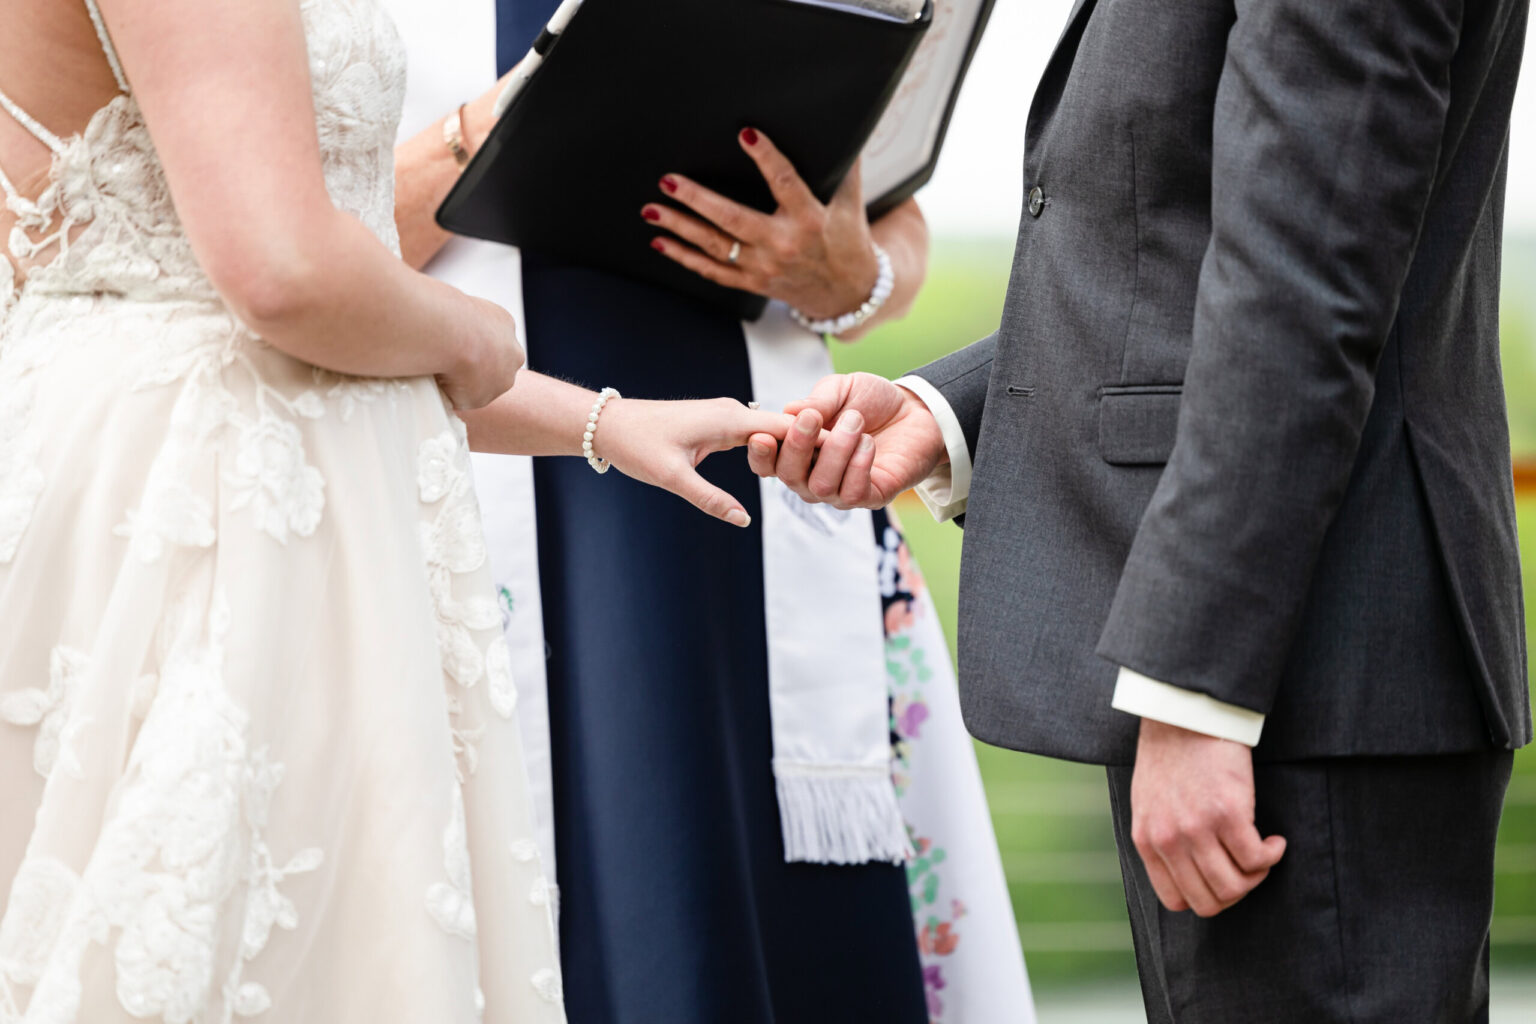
(881, 440)
(1192, 805)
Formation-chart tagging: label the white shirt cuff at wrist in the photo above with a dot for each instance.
(1135, 694)
(946, 491)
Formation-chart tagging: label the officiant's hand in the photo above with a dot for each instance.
(817, 258)
(881, 441)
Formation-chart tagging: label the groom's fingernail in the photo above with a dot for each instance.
(806, 422)
(736, 517)
(867, 443)
(851, 421)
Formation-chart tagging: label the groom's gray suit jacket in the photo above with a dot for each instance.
(1242, 428)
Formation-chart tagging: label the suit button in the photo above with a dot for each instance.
(1036, 201)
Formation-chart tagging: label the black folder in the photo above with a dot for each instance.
(632, 90)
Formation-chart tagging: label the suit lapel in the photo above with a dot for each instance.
(1054, 78)
(1079, 9)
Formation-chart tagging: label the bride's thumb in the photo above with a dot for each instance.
(708, 498)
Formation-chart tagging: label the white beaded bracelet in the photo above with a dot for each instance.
(601, 465)
(885, 283)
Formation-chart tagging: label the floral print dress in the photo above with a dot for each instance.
(973, 969)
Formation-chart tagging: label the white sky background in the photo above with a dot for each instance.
(977, 187)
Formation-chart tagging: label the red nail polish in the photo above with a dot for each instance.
(749, 136)
(658, 245)
(651, 213)
(670, 184)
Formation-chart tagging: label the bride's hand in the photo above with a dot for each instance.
(484, 365)
(662, 443)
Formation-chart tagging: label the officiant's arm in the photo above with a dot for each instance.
(426, 169)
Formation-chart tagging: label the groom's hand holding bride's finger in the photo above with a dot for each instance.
(881, 441)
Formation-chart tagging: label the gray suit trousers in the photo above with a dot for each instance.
(1377, 914)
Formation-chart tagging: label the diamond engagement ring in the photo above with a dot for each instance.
(735, 253)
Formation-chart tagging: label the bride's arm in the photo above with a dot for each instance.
(659, 443)
(226, 92)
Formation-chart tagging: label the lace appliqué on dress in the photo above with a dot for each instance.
(185, 834)
(452, 903)
(453, 543)
(269, 474)
(49, 710)
(285, 494)
(183, 892)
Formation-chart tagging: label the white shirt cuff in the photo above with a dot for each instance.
(1135, 694)
(946, 491)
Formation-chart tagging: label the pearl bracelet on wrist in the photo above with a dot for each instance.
(600, 465)
(885, 283)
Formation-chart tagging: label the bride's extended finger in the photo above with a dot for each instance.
(705, 237)
(729, 216)
(745, 425)
(832, 461)
(776, 425)
(856, 490)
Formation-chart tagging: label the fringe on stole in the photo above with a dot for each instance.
(840, 814)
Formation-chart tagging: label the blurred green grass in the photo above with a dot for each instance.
(1052, 818)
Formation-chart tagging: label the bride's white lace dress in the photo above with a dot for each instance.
(257, 753)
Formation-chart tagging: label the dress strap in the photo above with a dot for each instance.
(106, 45)
(35, 127)
(31, 124)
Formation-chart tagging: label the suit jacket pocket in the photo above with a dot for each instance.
(1138, 422)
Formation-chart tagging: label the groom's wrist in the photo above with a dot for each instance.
(1153, 700)
(947, 489)
(935, 445)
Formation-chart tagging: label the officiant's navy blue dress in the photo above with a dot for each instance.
(676, 906)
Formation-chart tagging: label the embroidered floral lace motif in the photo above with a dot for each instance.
(187, 834)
